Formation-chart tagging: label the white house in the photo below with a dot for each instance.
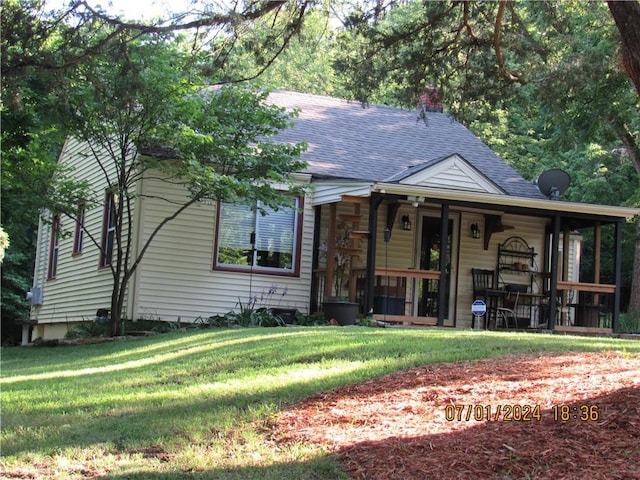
(422, 204)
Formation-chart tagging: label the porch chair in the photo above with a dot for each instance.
(482, 283)
(508, 310)
(563, 311)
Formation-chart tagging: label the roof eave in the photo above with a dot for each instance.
(507, 200)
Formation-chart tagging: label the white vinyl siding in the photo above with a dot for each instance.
(324, 193)
(453, 173)
(176, 279)
(80, 286)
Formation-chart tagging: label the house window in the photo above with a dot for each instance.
(249, 240)
(108, 230)
(54, 247)
(79, 233)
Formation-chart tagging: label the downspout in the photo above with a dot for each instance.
(374, 204)
(553, 294)
(617, 276)
(442, 284)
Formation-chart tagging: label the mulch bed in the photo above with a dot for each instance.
(396, 427)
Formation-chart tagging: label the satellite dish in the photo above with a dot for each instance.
(553, 183)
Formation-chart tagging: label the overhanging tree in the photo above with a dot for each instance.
(138, 97)
(562, 59)
(38, 47)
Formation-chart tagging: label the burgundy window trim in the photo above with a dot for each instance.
(54, 248)
(265, 270)
(78, 237)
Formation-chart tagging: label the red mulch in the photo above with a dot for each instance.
(395, 427)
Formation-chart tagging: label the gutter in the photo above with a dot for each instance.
(552, 206)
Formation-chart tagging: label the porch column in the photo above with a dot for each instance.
(316, 297)
(553, 293)
(617, 274)
(331, 252)
(442, 283)
(374, 204)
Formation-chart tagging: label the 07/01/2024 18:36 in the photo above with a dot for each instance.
(520, 413)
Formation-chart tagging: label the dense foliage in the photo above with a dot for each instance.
(542, 83)
(122, 86)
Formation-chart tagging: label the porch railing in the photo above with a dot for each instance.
(406, 295)
(356, 287)
(593, 304)
(401, 295)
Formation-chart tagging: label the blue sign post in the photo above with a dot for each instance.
(478, 308)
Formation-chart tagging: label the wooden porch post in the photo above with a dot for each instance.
(315, 294)
(331, 251)
(442, 284)
(374, 203)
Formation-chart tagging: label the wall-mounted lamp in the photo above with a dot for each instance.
(406, 222)
(475, 230)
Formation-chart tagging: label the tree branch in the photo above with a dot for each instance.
(206, 21)
(497, 46)
(627, 18)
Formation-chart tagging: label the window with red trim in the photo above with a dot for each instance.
(54, 246)
(108, 230)
(79, 233)
(247, 239)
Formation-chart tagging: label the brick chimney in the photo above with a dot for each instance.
(430, 100)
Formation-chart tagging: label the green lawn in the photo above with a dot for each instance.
(190, 405)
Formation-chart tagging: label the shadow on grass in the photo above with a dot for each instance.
(322, 468)
(162, 411)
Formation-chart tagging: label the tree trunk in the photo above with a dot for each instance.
(626, 14)
(633, 150)
(116, 310)
(634, 299)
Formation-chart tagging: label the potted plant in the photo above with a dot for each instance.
(339, 307)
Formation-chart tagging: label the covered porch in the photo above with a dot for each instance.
(405, 254)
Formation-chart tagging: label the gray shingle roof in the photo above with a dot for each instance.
(379, 143)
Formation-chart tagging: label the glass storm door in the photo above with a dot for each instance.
(429, 250)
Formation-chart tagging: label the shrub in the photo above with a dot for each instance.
(88, 329)
(630, 323)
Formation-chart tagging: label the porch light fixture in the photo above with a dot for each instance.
(406, 223)
(415, 201)
(475, 230)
